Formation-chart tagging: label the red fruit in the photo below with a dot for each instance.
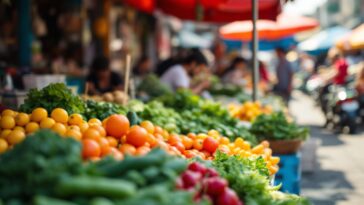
(210, 144)
(197, 167)
(215, 186)
(211, 173)
(228, 197)
(190, 178)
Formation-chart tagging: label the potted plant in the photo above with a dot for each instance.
(285, 137)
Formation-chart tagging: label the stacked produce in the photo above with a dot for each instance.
(249, 110)
(117, 97)
(47, 169)
(115, 136)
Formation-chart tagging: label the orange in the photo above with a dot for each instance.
(259, 149)
(127, 149)
(151, 140)
(22, 119)
(59, 128)
(94, 121)
(143, 150)
(191, 135)
(104, 122)
(31, 127)
(106, 151)
(83, 126)
(117, 125)
(148, 126)
(73, 134)
(60, 115)
(74, 127)
(91, 133)
(224, 140)
(8, 112)
(38, 114)
(15, 137)
(90, 148)
(7, 122)
(137, 136)
(3, 145)
(187, 142)
(158, 130)
(47, 123)
(75, 119)
(19, 128)
(179, 146)
(213, 133)
(274, 160)
(112, 141)
(239, 142)
(173, 138)
(99, 128)
(5, 133)
(198, 144)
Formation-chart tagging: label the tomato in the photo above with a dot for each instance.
(99, 128)
(127, 149)
(151, 140)
(179, 146)
(148, 126)
(137, 136)
(191, 135)
(210, 144)
(173, 138)
(117, 125)
(198, 144)
(92, 133)
(90, 148)
(59, 115)
(106, 151)
(187, 142)
(158, 130)
(116, 154)
(143, 150)
(189, 154)
(112, 141)
(224, 149)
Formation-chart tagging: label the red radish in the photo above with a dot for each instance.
(197, 167)
(228, 197)
(215, 186)
(190, 178)
(179, 183)
(211, 172)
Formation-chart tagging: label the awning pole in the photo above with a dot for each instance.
(255, 49)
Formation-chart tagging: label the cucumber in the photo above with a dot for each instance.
(177, 164)
(95, 186)
(133, 118)
(101, 201)
(44, 200)
(136, 177)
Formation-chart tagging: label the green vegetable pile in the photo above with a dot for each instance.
(53, 96)
(276, 127)
(102, 110)
(151, 87)
(46, 169)
(249, 178)
(199, 116)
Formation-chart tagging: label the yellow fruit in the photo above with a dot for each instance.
(246, 145)
(213, 133)
(59, 128)
(15, 137)
(60, 115)
(73, 134)
(47, 123)
(74, 127)
(274, 160)
(5, 133)
(8, 112)
(239, 142)
(75, 119)
(31, 127)
(94, 120)
(19, 128)
(259, 149)
(7, 122)
(22, 119)
(38, 114)
(84, 126)
(3, 145)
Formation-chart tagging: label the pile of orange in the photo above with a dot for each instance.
(114, 136)
(249, 110)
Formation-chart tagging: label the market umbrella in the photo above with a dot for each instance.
(216, 11)
(322, 41)
(286, 25)
(353, 41)
(264, 45)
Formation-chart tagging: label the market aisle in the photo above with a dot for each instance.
(339, 178)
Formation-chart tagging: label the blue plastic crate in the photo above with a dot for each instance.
(289, 173)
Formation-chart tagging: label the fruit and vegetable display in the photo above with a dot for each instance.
(248, 111)
(151, 87)
(116, 97)
(275, 126)
(49, 169)
(58, 149)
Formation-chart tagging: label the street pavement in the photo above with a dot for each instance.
(338, 179)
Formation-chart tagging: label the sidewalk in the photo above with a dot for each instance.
(339, 178)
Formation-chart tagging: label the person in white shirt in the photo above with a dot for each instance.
(179, 75)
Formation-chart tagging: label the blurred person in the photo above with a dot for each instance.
(180, 75)
(221, 62)
(263, 72)
(359, 84)
(101, 79)
(143, 66)
(236, 72)
(284, 73)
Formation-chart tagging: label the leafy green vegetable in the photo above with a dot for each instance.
(37, 164)
(276, 127)
(151, 87)
(102, 110)
(53, 96)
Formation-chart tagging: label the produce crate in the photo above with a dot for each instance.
(289, 173)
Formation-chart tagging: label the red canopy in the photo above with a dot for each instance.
(286, 25)
(217, 11)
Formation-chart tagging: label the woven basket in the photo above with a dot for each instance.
(285, 146)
